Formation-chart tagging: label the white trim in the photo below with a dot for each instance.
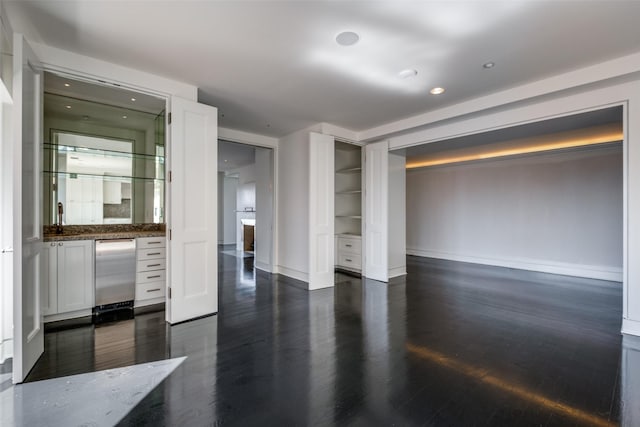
(294, 274)
(68, 315)
(630, 327)
(263, 266)
(572, 79)
(340, 133)
(397, 271)
(577, 270)
(71, 63)
(233, 135)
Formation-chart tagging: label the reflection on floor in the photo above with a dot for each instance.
(452, 344)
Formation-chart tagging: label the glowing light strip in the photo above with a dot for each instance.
(570, 143)
(521, 392)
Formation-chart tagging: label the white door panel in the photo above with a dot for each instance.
(193, 259)
(321, 211)
(27, 204)
(376, 202)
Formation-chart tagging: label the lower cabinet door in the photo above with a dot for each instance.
(75, 275)
(49, 278)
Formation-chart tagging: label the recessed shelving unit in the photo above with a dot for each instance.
(348, 206)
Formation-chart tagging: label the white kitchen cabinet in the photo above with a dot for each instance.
(150, 270)
(68, 281)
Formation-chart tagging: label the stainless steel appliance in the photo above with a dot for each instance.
(115, 274)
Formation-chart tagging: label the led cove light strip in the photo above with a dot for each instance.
(571, 143)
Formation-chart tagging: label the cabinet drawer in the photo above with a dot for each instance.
(150, 276)
(151, 253)
(151, 242)
(150, 290)
(349, 260)
(346, 244)
(151, 264)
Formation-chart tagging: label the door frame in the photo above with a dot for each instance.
(259, 141)
(620, 94)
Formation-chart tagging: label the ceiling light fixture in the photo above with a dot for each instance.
(437, 91)
(124, 117)
(488, 65)
(67, 85)
(133, 99)
(409, 72)
(347, 38)
(68, 106)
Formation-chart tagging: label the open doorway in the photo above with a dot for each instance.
(245, 206)
(545, 196)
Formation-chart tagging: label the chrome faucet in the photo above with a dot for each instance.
(59, 229)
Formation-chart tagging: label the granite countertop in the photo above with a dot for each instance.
(105, 235)
(97, 232)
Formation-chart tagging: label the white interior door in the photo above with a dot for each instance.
(193, 258)
(27, 208)
(321, 211)
(376, 207)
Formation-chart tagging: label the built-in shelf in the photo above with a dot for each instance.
(348, 189)
(73, 175)
(350, 170)
(102, 152)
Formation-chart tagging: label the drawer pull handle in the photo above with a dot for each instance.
(154, 277)
(154, 290)
(348, 259)
(154, 253)
(153, 265)
(348, 246)
(153, 243)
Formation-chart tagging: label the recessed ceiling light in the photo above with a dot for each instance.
(68, 106)
(67, 85)
(409, 72)
(133, 99)
(437, 91)
(347, 38)
(488, 65)
(225, 160)
(124, 117)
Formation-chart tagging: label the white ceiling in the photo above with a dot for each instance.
(274, 67)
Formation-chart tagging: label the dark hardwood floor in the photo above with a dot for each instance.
(453, 344)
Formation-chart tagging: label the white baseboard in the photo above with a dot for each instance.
(294, 274)
(68, 315)
(263, 266)
(397, 271)
(6, 350)
(631, 327)
(578, 270)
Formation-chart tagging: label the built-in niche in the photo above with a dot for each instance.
(104, 154)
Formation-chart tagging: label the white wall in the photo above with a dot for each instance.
(264, 199)
(293, 206)
(558, 212)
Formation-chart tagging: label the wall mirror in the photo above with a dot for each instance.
(103, 154)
